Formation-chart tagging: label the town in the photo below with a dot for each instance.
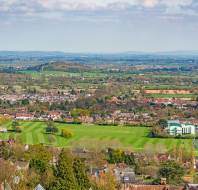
(98, 95)
(128, 129)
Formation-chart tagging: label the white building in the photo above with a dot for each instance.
(3, 130)
(176, 128)
(24, 116)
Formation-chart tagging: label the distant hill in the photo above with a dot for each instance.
(179, 53)
(31, 54)
(37, 54)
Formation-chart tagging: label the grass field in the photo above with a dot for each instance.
(65, 74)
(191, 96)
(135, 138)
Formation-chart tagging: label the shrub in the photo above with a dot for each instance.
(18, 129)
(51, 128)
(66, 133)
(38, 165)
(51, 138)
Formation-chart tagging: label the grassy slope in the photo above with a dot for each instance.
(34, 133)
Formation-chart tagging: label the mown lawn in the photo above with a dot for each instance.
(134, 137)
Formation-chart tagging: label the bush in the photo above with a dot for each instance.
(51, 138)
(66, 133)
(52, 129)
(18, 129)
(38, 165)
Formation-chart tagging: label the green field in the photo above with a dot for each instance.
(65, 74)
(133, 137)
(192, 96)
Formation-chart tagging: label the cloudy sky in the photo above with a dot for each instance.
(99, 25)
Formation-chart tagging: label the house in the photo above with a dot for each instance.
(163, 157)
(86, 119)
(3, 130)
(125, 175)
(174, 127)
(191, 187)
(39, 187)
(150, 187)
(98, 172)
(54, 115)
(24, 116)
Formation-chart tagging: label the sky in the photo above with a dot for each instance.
(99, 25)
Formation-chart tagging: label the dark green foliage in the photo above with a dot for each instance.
(163, 123)
(15, 127)
(51, 128)
(39, 152)
(172, 171)
(119, 156)
(6, 152)
(25, 102)
(15, 124)
(80, 175)
(39, 165)
(65, 179)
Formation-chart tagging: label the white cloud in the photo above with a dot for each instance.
(88, 4)
(49, 8)
(176, 3)
(85, 4)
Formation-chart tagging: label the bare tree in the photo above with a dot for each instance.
(7, 171)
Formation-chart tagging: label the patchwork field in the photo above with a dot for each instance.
(182, 96)
(135, 138)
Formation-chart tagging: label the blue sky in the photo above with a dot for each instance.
(99, 25)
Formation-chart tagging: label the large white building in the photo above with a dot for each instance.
(176, 128)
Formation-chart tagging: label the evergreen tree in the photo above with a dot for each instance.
(65, 179)
(80, 175)
(172, 171)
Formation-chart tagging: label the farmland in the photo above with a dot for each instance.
(133, 137)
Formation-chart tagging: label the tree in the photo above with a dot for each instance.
(15, 126)
(149, 152)
(172, 171)
(32, 179)
(51, 128)
(3, 119)
(18, 151)
(51, 138)
(25, 102)
(107, 182)
(80, 175)
(39, 165)
(119, 156)
(47, 178)
(39, 152)
(64, 173)
(163, 123)
(6, 171)
(66, 133)
(6, 152)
